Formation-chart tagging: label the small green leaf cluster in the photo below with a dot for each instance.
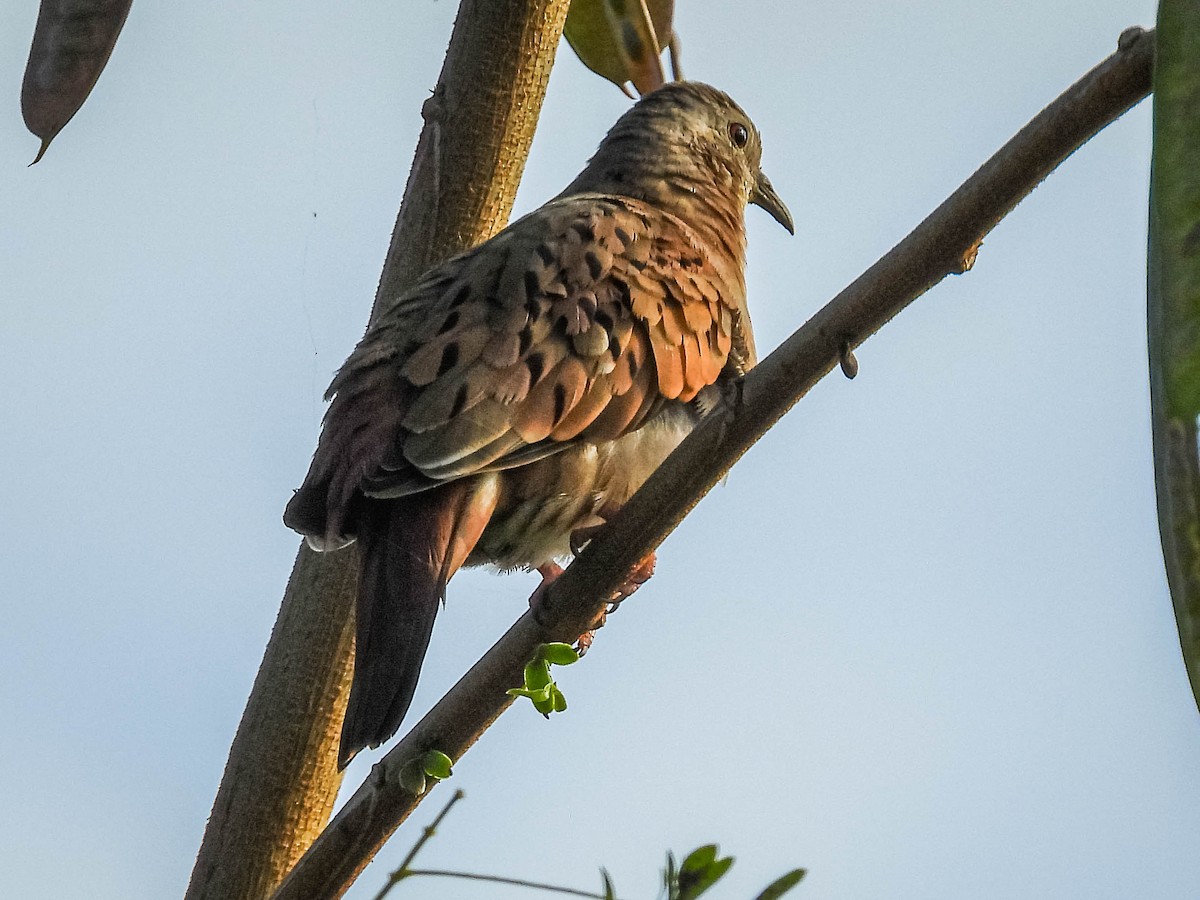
(539, 686)
(417, 772)
(703, 867)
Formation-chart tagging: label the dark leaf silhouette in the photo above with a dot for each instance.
(72, 42)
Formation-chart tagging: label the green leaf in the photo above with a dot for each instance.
(699, 858)
(436, 764)
(701, 870)
(782, 885)
(537, 674)
(671, 875)
(610, 892)
(412, 777)
(557, 701)
(1173, 308)
(541, 694)
(559, 654)
(615, 39)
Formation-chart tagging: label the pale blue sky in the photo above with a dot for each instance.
(919, 643)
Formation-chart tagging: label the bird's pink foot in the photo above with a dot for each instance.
(638, 576)
(549, 572)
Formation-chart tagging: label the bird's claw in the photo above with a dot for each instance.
(582, 536)
(638, 575)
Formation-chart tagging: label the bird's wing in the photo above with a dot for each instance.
(573, 324)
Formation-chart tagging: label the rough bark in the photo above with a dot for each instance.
(281, 779)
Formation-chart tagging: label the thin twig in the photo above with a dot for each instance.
(937, 247)
(404, 871)
(499, 879)
(426, 834)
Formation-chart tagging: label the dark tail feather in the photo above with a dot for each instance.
(410, 547)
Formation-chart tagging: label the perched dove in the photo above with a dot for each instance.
(523, 390)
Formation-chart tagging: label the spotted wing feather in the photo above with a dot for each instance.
(572, 325)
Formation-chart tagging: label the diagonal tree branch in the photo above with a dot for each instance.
(281, 779)
(945, 243)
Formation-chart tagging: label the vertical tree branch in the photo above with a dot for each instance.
(281, 778)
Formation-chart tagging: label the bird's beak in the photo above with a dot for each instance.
(764, 195)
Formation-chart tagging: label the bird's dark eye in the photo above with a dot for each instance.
(739, 134)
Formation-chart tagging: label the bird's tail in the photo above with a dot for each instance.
(410, 547)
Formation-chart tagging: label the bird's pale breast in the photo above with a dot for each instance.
(543, 503)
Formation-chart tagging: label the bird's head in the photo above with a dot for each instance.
(685, 147)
